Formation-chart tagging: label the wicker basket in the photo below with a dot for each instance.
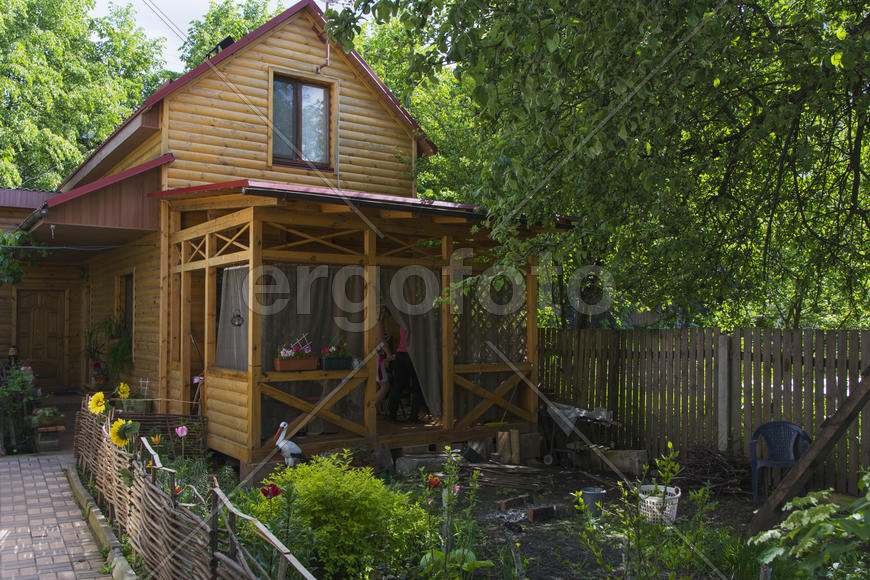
(656, 508)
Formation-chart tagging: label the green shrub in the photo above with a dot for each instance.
(360, 528)
(825, 539)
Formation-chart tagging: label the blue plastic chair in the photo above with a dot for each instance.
(780, 437)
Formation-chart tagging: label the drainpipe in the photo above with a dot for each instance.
(31, 220)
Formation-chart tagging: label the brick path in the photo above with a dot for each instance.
(42, 533)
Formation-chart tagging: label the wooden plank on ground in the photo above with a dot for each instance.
(826, 437)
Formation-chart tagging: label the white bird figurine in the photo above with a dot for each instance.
(291, 452)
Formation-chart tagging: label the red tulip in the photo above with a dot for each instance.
(271, 491)
(434, 482)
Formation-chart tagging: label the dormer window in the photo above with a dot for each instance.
(300, 122)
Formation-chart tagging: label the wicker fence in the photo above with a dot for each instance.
(173, 541)
(701, 387)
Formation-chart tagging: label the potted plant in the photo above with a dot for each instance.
(336, 356)
(132, 400)
(295, 358)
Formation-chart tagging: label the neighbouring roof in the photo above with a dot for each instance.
(24, 198)
(375, 83)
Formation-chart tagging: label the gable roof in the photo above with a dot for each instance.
(356, 61)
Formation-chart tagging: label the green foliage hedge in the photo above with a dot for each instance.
(359, 527)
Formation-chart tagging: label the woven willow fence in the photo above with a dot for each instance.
(173, 541)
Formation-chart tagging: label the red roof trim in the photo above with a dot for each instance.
(289, 188)
(355, 59)
(100, 183)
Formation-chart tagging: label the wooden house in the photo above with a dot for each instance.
(282, 152)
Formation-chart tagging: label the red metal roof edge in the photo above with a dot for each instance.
(289, 188)
(111, 179)
(170, 87)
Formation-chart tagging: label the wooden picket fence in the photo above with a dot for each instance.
(700, 387)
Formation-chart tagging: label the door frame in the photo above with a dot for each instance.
(64, 371)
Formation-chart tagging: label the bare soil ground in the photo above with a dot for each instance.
(552, 547)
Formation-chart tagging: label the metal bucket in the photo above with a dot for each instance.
(592, 497)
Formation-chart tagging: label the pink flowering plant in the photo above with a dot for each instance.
(295, 352)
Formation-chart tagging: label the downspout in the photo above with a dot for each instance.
(31, 220)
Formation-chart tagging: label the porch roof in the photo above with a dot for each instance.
(287, 191)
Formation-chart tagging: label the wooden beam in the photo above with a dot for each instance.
(312, 257)
(479, 409)
(490, 396)
(475, 368)
(827, 437)
(447, 338)
(210, 330)
(164, 310)
(335, 208)
(529, 398)
(184, 335)
(235, 219)
(234, 258)
(307, 409)
(370, 276)
(217, 201)
(393, 214)
(449, 220)
(255, 335)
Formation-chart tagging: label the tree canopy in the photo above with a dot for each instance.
(66, 81)
(715, 152)
(225, 18)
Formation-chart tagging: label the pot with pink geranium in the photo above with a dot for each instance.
(295, 357)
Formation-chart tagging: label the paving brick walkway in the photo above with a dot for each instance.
(42, 533)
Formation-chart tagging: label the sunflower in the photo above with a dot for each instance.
(115, 433)
(97, 403)
(123, 390)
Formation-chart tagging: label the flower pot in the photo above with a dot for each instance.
(294, 364)
(136, 405)
(340, 363)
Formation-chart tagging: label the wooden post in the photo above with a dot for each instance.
(163, 312)
(447, 338)
(255, 335)
(818, 451)
(370, 276)
(529, 397)
(723, 393)
(184, 332)
(210, 330)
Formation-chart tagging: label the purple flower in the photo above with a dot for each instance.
(456, 489)
(181, 431)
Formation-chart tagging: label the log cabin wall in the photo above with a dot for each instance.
(218, 130)
(142, 259)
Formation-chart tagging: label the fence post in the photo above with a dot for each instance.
(213, 524)
(723, 392)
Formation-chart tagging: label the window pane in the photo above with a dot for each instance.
(315, 130)
(284, 119)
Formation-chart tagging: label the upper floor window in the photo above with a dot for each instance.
(300, 119)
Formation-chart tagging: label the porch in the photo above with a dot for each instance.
(226, 250)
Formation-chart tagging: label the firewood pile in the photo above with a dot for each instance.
(726, 472)
(513, 476)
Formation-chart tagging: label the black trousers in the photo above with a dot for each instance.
(404, 377)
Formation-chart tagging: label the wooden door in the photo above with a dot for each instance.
(40, 334)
